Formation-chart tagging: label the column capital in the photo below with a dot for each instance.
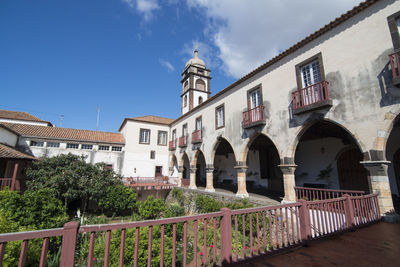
(376, 168)
(288, 168)
(193, 170)
(180, 169)
(209, 170)
(241, 168)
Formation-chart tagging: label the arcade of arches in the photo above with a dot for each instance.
(326, 156)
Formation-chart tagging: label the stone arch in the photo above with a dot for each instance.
(172, 164)
(199, 162)
(185, 165)
(200, 100)
(216, 144)
(200, 85)
(244, 150)
(291, 150)
(380, 142)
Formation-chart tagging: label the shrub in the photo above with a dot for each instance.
(119, 200)
(151, 208)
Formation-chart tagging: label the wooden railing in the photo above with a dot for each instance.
(172, 144)
(197, 137)
(395, 65)
(309, 193)
(310, 95)
(224, 237)
(253, 116)
(147, 183)
(183, 141)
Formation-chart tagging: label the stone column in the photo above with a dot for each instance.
(210, 179)
(379, 183)
(192, 178)
(241, 181)
(180, 176)
(288, 182)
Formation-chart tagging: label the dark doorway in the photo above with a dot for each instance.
(158, 171)
(352, 175)
(200, 170)
(224, 167)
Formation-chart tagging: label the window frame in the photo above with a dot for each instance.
(103, 146)
(82, 147)
(185, 126)
(52, 146)
(140, 136)
(252, 90)
(158, 137)
(36, 143)
(298, 67)
(216, 116)
(117, 150)
(199, 118)
(394, 30)
(70, 144)
(152, 154)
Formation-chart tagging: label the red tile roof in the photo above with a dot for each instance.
(7, 152)
(64, 133)
(18, 115)
(150, 119)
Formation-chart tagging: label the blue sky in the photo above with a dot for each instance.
(126, 56)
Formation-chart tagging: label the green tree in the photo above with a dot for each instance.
(72, 179)
(151, 208)
(119, 200)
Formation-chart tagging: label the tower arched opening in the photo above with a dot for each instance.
(328, 156)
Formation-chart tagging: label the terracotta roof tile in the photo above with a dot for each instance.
(64, 133)
(148, 118)
(7, 152)
(17, 115)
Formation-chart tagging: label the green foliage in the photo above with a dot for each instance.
(174, 210)
(239, 204)
(178, 194)
(34, 209)
(119, 200)
(151, 208)
(207, 204)
(71, 178)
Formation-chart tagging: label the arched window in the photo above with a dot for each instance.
(200, 85)
(200, 100)
(185, 101)
(185, 84)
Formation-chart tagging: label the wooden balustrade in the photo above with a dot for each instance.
(309, 193)
(197, 137)
(254, 231)
(172, 144)
(183, 141)
(253, 117)
(312, 94)
(395, 65)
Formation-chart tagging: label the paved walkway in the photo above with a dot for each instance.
(375, 245)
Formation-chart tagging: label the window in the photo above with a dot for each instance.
(53, 144)
(255, 98)
(86, 146)
(394, 28)
(144, 136)
(173, 134)
(310, 71)
(152, 154)
(184, 130)
(185, 101)
(198, 124)
(104, 148)
(116, 148)
(108, 166)
(200, 100)
(200, 85)
(162, 138)
(72, 145)
(219, 117)
(37, 143)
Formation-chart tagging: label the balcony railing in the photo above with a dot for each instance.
(254, 117)
(395, 65)
(210, 239)
(183, 141)
(197, 137)
(172, 144)
(308, 193)
(311, 96)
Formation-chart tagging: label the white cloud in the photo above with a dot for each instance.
(146, 8)
(248, 33)
(167, 65)
(206, 53)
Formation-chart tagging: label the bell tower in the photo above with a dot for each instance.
(195, 84)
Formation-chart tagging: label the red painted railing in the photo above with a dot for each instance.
(146, 183)
(185, 182)
(395, 64)
(253, 115)
(183, 141)
(309, 193)
(172, 144)
(197, 137)
(310, 95)
(207, 238)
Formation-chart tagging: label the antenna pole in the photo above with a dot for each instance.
(98, 116)
(61, 120)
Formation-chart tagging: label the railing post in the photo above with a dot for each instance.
(14, 177)
(68, 244)
(226, 236)
(349, 211)
(305, 224)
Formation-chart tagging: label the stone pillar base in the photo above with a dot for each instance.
(289, 182)
(211, 190)
(241, 181)
(192, 178)
(209, 179)
(192, 187)
(245, 195)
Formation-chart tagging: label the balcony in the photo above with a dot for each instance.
(197, 137)
(313, 97)
(254, 117)
(183, 141)
(172, 144)
(395, 66)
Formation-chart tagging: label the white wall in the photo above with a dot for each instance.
(7, 137)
